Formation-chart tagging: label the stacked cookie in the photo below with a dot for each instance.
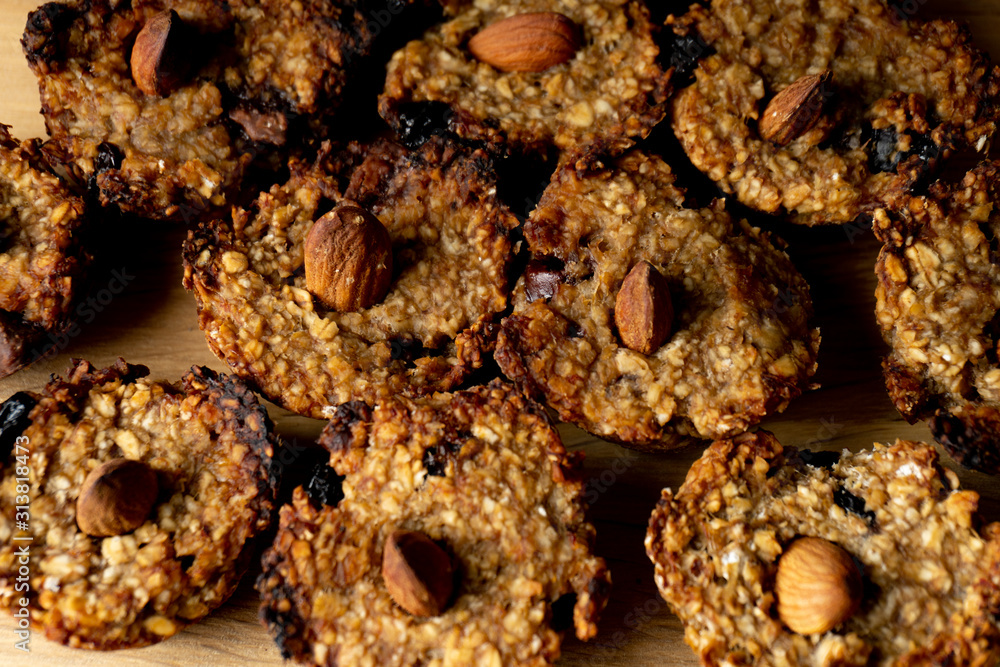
(382, 278)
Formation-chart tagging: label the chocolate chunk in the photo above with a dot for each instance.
(542, 278)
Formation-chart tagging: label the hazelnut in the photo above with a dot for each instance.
(348, 259)
(161, 54)
(818, 586)
(418, 573)
(644, 312)
(116, 497)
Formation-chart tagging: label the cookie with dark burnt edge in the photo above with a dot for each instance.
(938, 305)
(607, 95)
(451, 257)
(503, 500)
(42, 256)
(210, 446)
(255, 82)
(891, 98)
(739, 344)
(930, 571)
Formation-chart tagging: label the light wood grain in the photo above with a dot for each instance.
(153, 322)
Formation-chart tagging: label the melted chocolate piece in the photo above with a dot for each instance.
(542, 278)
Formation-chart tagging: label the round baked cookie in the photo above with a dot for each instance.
(930, 577)
(207, 442)
(938, 304)
(450, 259)
(484, 475)
(901, 94)
(739, 345)
(608, 93)
(42, 259)
(252, 77)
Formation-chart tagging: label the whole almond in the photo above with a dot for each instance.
(644, 312)
(795, 109)
(531, 42)
(161, 55)
(116, 498)
(348, 259)
(418, 574)
(818, 586)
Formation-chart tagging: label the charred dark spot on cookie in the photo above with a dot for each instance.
(348, 426)
(419, 121)
(884, 154)
(849, 502)
(542, 278)
(683, 53)
(819, 459)
(562, 612)
(14, 418)
(970, 439)
(281, 624)
(45, 35)
(325, 487)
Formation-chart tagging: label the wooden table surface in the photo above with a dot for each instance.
(153, 322)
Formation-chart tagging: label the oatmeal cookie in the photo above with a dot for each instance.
(929, 575)
(252, 79)
(206, 463)
(607, 94)
(938, 304)
(451, 252)
(42, 259)
(893, 97)
(484, 475)
(740, 345)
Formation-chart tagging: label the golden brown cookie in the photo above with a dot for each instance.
(732, 339)
(483, 477)
(159, 536)
(761, 539)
